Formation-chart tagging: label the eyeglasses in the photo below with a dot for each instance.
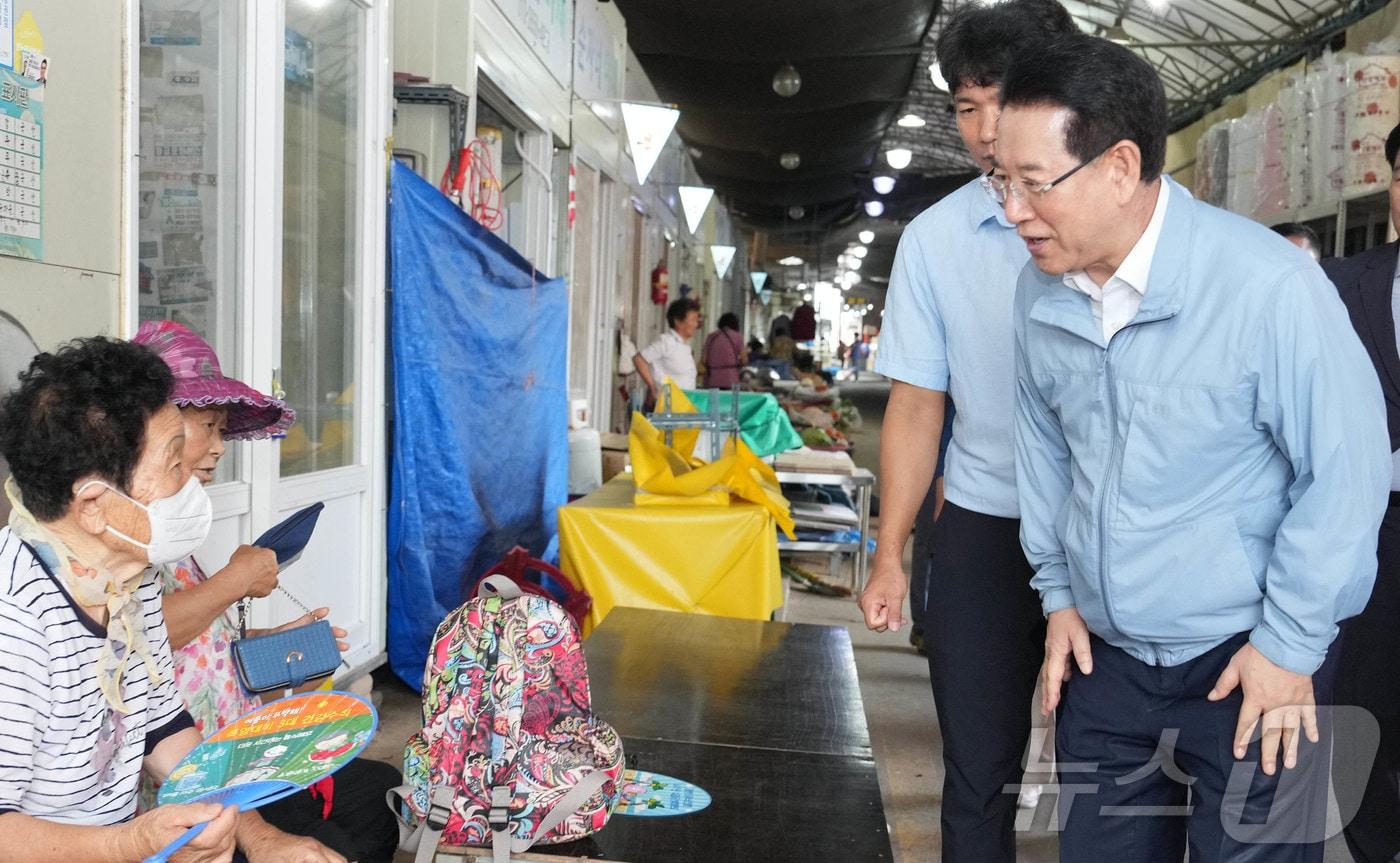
(1004, 187)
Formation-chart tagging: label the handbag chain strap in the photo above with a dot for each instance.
(246, 602)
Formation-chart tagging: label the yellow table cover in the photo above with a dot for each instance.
(705, 559)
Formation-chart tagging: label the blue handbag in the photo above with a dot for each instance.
(286, 659)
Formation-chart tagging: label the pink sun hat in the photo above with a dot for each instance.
(200, 383)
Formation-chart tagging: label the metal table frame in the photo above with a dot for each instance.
(863, 482)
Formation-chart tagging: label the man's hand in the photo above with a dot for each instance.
(1065, 634)
(1283, 698)
(152, 831)
(271, 845)
(882, 601)
(253, 567)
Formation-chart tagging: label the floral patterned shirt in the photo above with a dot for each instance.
(204, 672)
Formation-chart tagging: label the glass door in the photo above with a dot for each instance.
(327, 299)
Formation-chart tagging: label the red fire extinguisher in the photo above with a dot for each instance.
(660, 284)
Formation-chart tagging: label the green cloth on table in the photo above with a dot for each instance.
(763, 424)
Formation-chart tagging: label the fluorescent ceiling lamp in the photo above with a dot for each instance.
(883, 184)
(648, 127)
(874, 209)
(695, 200)
(859, 251)
(935, 74)
(899, 158)
(791, 261)
(866, 236)
(723, 256)
(911, 121)
(759, 279)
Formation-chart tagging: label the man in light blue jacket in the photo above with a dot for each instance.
(1202, 465)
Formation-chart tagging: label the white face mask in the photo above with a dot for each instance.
(179, 523)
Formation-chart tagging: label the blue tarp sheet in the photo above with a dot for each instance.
(480, 411)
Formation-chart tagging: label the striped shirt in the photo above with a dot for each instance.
(52, 713)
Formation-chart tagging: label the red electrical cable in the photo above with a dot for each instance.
(476, 176)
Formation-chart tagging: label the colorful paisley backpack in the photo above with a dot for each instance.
(510, 754)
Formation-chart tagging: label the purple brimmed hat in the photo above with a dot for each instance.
(200, 383)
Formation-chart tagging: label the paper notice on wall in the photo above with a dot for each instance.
(7, 33)
(171, 27)
(181, 209)
(178, 134)
(21, 166)
(184, 285)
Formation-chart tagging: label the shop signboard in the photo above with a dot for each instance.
(600, 51)
(547, 26)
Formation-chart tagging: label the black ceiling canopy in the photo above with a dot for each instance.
(716, 59)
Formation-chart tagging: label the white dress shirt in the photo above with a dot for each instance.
(1117, 302)
(670, 355)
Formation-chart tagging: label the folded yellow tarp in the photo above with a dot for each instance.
(697, 558)
(663, 473)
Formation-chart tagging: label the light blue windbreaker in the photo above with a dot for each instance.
(1220, 466)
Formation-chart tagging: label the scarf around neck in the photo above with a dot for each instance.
(91, 586)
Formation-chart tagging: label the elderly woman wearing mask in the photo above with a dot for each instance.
(100, 492)
(346, 811)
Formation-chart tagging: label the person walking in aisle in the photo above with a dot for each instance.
(1369, 284)
(1203, 464)
(947, 332)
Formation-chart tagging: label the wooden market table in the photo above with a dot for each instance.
(720, 560)
(765, 716)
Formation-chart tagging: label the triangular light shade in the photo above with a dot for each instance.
(723, 257)
(695, 200)
(648, 127)
(759, 280)
(765, 296)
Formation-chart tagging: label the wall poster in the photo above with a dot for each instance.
(21, 164)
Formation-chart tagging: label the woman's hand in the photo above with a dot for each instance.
(263, 843)
(315, 615)
(254, 568)
(152, 831)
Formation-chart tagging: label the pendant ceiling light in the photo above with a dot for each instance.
(790, 160)
(866, 237)
(695, 200)
(899, 157)
(786, 81)
(723, 256)
(911, 121)
(935, 74)
(759, 279)
(796, 212)
(648, 127)
(874, 209)
(883, 184)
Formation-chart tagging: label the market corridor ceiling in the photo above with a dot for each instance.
(864, 64)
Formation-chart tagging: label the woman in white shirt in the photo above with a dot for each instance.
(670, 355)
